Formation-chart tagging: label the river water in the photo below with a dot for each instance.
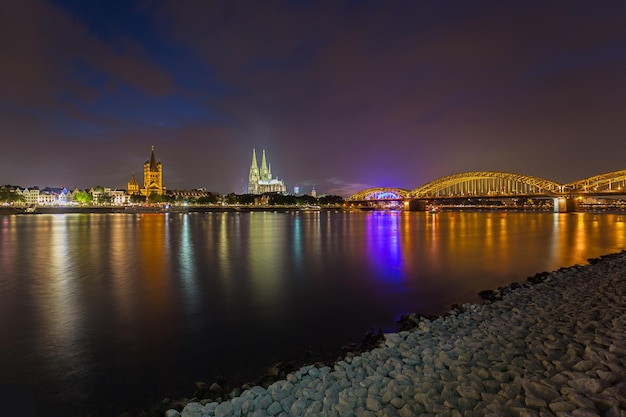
(103, 313)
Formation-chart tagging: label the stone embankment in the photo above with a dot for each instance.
(552, 346)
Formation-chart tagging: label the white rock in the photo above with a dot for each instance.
(372, 403)
(274, 408)
(224, 409)
(192, 410)
(298, 407)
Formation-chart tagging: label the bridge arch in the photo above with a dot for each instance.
(486, 183)
(380, 194)
(611, 181)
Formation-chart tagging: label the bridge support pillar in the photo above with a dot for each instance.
(415, 205)
(565, 204)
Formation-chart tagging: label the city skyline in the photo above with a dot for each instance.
(344, 96)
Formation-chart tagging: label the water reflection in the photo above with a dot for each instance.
(63, 320)
(267, 257)
(297, 242)
(384, 247)
(187, 262)
(153, 260)
(106, 302)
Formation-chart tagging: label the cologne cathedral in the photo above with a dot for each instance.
(260, 179)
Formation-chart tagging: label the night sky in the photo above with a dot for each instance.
(342, 95)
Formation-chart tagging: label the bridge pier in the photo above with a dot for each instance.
(565, 204)
(416, 205)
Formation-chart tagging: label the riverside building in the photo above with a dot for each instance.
(260, 178)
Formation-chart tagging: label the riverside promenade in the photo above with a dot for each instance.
(552, 346)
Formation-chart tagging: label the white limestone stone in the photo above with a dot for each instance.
(224, 409)
(192, 410)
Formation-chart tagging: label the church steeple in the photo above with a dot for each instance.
(254, 164)
(152, 176)
(263, 171)
(133, 187)
(153, 164)
(253, 176)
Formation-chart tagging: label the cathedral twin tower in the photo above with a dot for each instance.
(260, 179)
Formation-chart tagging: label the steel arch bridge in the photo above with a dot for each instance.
(494, 184)
(610, 182)
(485, 183)
(381, 194)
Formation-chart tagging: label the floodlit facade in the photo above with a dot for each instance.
(152, 176)
(260, 178)
(152, 179)
(45, 197)
(133, 187)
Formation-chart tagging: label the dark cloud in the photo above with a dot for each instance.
(49, 56)
(340, 94)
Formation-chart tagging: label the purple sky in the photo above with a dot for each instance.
(342, 95)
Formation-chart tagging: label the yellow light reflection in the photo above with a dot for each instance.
(154, 259)
(8, 237)
(266, 248)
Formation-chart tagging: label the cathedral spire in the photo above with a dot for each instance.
(263, 171)
(253, 176)
(254, 164)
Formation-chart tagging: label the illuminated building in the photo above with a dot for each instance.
(260, 178)
(152, 178)
(31, 196)
(133, 187)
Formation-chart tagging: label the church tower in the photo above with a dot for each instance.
(152, 176)
(133, 187)
(264, 171)
(253, 177)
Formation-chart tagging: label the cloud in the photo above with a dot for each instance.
(375, 93)
(50, 57)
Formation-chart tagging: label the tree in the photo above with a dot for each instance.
(277, 199)
(210, 198)
(104, 199)
(331, 200)
(8, 196)
(246, 198)
(231, 198)
(137, 198)
(306, 199)
(83, 197)
(155, 198)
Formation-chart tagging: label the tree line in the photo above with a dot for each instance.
(273, 199)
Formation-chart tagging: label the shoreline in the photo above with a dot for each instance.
(272, 209)
(159, 209)
(550, 346)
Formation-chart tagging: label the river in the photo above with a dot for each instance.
(104, 313)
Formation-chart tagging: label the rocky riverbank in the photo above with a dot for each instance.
(552, 346)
